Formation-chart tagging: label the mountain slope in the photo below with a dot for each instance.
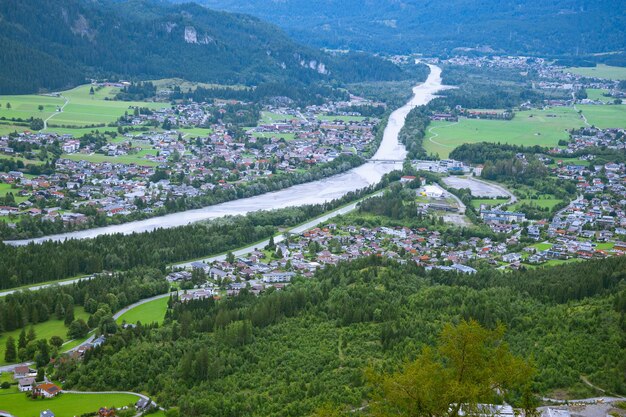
(54, 44)
(564, 27)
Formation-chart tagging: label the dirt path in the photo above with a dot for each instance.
(435, 134)
(45, 122)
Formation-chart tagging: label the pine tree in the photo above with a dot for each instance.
(10, 354)
(22, 339)
(31, 335)
(69, 315)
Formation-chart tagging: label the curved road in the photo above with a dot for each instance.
(315, 192)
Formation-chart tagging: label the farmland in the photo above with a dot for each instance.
(65, 405)
(528, 128)
(137, 158)
(270, 117)
(81, 110)
(43, 330)
(598, 94)
(600, 71)
(345, 119)
(605, 116)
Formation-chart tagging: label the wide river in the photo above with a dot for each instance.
(309, 193)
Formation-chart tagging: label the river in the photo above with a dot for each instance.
(388, 157)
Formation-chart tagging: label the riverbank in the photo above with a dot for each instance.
(388, 157)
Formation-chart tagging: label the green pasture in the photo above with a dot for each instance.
(598, 94)
(286, 136)
(600, 71)
(606, 116)
(136, 158)
(64, 405)
(82, 108)
(270, 117)
(543, 202)
(150, 312)
(345, 119)
(528, 128)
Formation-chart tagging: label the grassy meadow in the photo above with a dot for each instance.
(138, 158)
(600, 71)
(64, 405)
(81, 109)
(150, 312)
(528, 128)
(605, 116)
(598, 94)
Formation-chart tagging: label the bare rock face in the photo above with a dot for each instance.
(81, 27)
(191, 36)
(169, 26)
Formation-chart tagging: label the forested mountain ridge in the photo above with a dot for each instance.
(564, 27)
(50, 45)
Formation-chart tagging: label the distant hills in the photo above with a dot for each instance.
(555, 27)
(49, 45)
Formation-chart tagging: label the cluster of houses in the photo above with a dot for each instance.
(593, 137)
(292, 142)
(25, 377)
(302, 254)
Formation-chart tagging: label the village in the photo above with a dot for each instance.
(147, 172)
(592, 226)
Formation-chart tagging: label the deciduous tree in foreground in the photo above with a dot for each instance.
(469, 366)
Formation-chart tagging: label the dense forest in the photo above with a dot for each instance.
(311, 344)
(54, 45)
(571, 28)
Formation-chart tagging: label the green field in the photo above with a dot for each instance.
(43, 330)
(286, 136)
(600, 71)
(137, 158)
(533, 127)
(490, 201)
(65, 405)
(544, 202)
(269, 117)
(196, 132)
(569, 161)
(605, 116)
(82, 109)
(150, 312)
(598, 94)
(325, 117)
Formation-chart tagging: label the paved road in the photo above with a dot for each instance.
(113, 392)
(39, 287)
(277, 239)
(138, 303)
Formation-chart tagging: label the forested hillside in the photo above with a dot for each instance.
(290, 352)
(563, 27)
(56, 44)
